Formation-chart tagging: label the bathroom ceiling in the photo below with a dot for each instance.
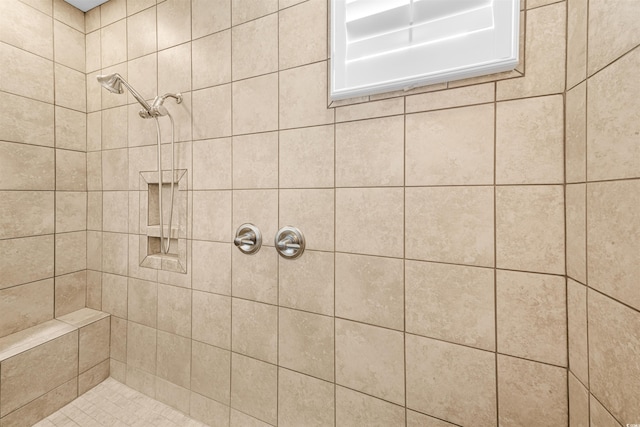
(85, 5)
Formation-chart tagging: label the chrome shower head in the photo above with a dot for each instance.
(111, 82)
(114, 82)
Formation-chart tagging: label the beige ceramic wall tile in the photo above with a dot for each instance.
(212, 267)
(577, 330)
(366, 109)
(370, 290)
(141, 381)
(360, 410)
(69, 46)
(254, 48)
(210, 371)
(371, 360)
(70, 293)
(94, 131)
(529, 141)
(211, 58)
(254, 330)
(92, 377)
(71, 211)
(370, 153)
(308, 149)
(27, 28)
(464, 393)
(113, 11)
(303, 97)
(613, 330)
(576, 212)
(305, 343)
(141, 33)
(94, 290)
(71, 129)
(205, 124)
(450, 147)
(304, 400)
(208, 411)
(578, 403)
(255, 277)
(531, 391)
(544, 53)
(302, 34)
(255, 104)
(71, 252)
(174, 69)
(71, 170)
(94, 344)
(613, 111)
(26, 120)
(115, 211)
(114, 43)
(532, 316)
(94, 250)
(613, 223)
(209, 16)
(312, 211)
(211, 321)
(576, 41)
(141, 347)
(24, 306)
(246, 10)
(94, 210)
(26, 213)
(307, 284)
(70, 87)
(576, 136)
(115, 253)
(606, 44)
(25, 167)
(379, 210)
(239, 419)
(142, 303)
(92, 20)
(416, 419)
(530, 228)
(212, 164)
(43, 406)
(212, 215)
(258, 207)
(174, 359)
(174, 23)
(118, 345)
(463, 214)
(94, 171)
(26, 260)
(434, 291)
(44, 368)
(114, 295)
(458, 97)
(93, 57)
(20, 66)
(255, 160)
(254, 388)
(174, 310)
(114, 163)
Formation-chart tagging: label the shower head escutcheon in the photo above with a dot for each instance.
(114, 82)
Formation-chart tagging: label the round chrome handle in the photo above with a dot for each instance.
(248, 239)
(289, 242)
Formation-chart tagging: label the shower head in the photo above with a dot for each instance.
(114, 82)
(111, 82)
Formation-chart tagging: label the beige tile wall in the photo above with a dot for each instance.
(43, 176)
(441, 223)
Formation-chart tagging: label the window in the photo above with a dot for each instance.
(384, 45)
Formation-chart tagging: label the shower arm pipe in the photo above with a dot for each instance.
(165, 249)
(135, 94)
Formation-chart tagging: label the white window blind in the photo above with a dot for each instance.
(384, 45)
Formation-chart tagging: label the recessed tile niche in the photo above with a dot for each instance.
(151, 255)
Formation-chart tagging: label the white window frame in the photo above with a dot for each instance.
(496, 48)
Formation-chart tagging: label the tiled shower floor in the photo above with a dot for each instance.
(114, 404)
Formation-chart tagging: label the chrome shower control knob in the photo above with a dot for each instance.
(289, 242)
(248, 239)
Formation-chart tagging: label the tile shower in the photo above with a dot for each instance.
(472, 249)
